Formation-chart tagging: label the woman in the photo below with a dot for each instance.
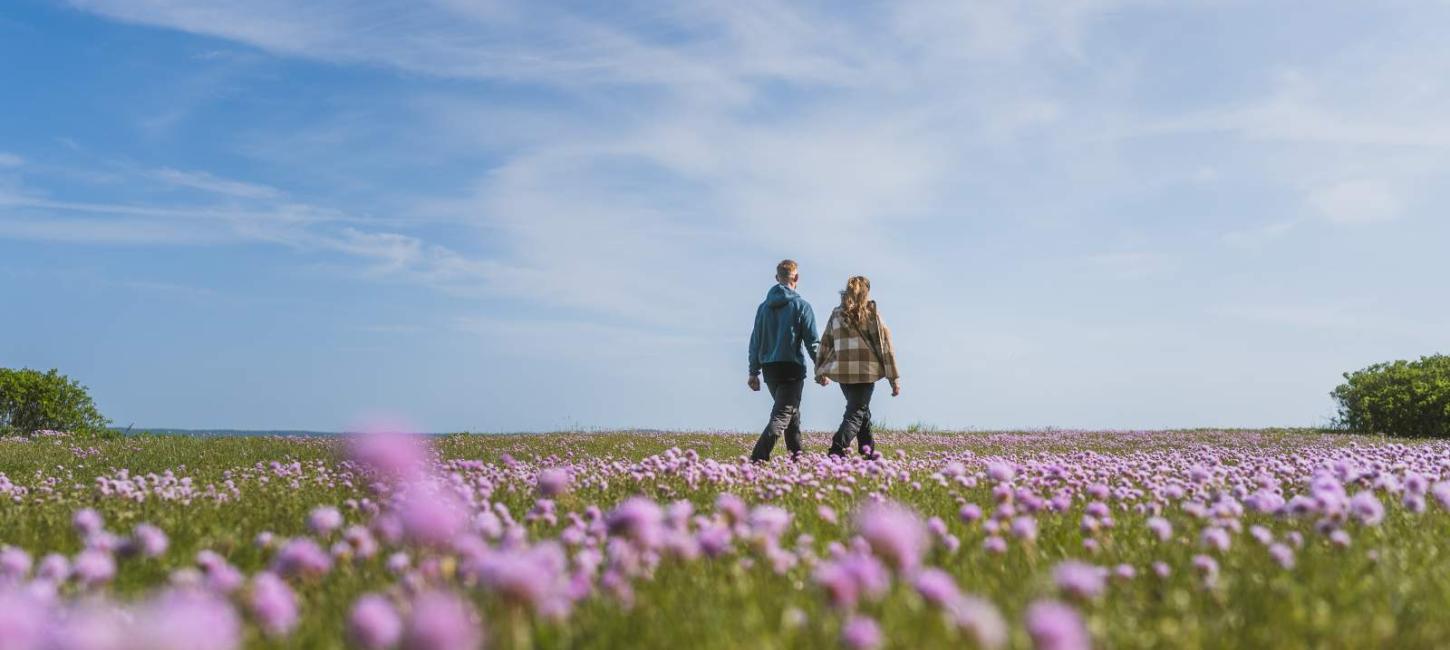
(855, 352)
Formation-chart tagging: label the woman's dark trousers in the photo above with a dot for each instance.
(785, 418)
(856, 423)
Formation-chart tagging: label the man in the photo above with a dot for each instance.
(783, 324)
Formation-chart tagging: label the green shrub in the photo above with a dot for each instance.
(31, 400)
(1399, 398)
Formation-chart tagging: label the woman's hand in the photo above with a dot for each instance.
(753, 383)
(895, 387)
(823, 380)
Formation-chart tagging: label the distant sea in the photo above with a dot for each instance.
(218, 433)
(223, 432)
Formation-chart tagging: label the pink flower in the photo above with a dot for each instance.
(1215, 538)
(373, 623)
(714, 540)
(861, 633)
(389, 452)
(361, 541)
(431, 519)
(553, 482)
(936, 587)
(850, 577)
(1441, 492)
(87, 522)
(1001, 472)
(1055, 626)
(638, 520)
(302, 557)
(839, 584)
(22, 620)
(323, 520)
(1079, 579)
(442, 621)
(1261, 534)
(982, 620)
(769, 522)
(92, 567)
(1366, 508)
(1160, 528)
(994, 544)
(222, 578)
(1024, 528)
(533, 578)
(1283, 555)
(54, 567)
(14, 564)
(1207, 568)
(894, 532)
(273, 604)
(149, 540)
(731, 506)
(90, 626)
(187, 620)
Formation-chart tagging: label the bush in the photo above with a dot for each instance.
(1399, 398)
(31, 400)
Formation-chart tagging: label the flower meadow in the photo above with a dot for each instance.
(1047, 539)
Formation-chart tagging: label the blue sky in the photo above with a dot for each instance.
(500, 216)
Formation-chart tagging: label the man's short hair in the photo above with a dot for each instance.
(785, 270)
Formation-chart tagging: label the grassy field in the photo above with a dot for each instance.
(1191, 539)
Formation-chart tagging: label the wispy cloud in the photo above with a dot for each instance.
(209, 183)
(230, 212)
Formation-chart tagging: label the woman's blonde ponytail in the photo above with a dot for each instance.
(856, 300)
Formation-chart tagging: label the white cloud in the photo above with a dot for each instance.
(1357, 201)
(1260, 235)
(10, 160)
(209, 183)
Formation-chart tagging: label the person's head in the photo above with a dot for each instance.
(787, 273)
(856, 299)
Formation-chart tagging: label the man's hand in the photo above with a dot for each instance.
(823, 380)
(753, 383)
(895, 387)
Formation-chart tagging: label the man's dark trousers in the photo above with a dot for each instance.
(856, 422)
(785, 381)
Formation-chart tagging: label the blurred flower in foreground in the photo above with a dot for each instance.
(273, 604)
(861, 633)
(187, 620)
(553, 482)
(374, 623)
(1055, 626)
(894, 532)
(442, 621)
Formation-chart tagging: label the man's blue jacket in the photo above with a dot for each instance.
(783, 324)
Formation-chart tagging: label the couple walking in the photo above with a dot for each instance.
(855, 352)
